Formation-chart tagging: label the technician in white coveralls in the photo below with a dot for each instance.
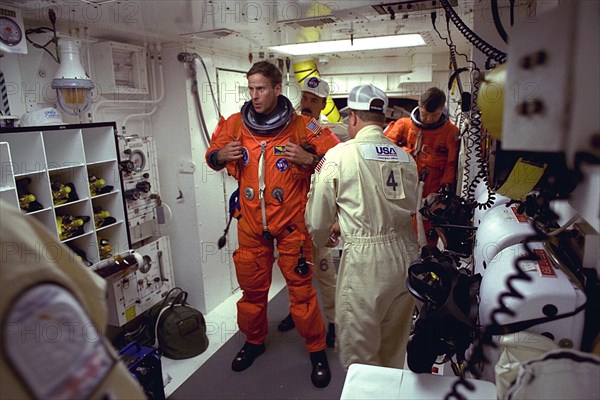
(370, 186)
(53, 315)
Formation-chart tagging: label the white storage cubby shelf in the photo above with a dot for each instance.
(36, 160)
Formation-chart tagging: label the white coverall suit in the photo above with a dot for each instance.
(371, 185)
(53, 315)
(323, 264)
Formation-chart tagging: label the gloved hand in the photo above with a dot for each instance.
(447, 187)
(334, 235)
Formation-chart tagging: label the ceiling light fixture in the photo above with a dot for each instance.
(73, 87)
(357, 44)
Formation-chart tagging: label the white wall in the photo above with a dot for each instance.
(201, 215)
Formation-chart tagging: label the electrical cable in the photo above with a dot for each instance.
(547, 217)
(565, 225)
(480, 44)
(54, 39)
(512, 12)
(473, 127)
(498, 22)
(196, 94)
(210, 86)
(191, 59)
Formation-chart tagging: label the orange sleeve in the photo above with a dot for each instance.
(223, 134)
(394, 131)
(325, 141)
(399, 132)
(452, 144)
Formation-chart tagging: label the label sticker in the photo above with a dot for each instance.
(48, 323)
(382, 152)
(544, 266)
(520, 217)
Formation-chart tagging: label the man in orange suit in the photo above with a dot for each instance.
(430, 137)
(260, 146)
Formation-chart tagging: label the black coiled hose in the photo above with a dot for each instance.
(480, 44)
(544, 216)
(475, 139)
(495, 328)
(473, 127)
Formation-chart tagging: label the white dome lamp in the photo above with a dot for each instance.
(73, 87)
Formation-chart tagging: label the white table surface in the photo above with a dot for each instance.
(368, 382)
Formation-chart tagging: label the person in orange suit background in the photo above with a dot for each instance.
(259, 147)
(430, 137)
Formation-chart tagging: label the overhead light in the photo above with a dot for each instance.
(358, 44)
(73, 87)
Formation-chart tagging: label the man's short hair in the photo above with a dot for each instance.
(370, 116)
(432, 99)
(268, 70)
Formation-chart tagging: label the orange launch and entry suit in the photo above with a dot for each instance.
(433, 149)
(281, 218)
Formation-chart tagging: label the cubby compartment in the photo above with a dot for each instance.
(86, 248)
(26, 152)
(103, 178)
(99, 144)
(110, 203)
(47, 218)
(9, 196)
(63, 148)
(115, 236)
(74, 220)
(69, 185)
(33, 158)
(6, 168)
(8, 191)
(36, 184)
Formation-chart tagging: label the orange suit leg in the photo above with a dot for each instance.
(304, 306)
(253, 267)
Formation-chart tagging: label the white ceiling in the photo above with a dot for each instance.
(253, 25)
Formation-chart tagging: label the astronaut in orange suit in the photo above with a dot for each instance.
(260, 148)
(430, 137)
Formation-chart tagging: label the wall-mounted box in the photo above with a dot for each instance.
(120, 68)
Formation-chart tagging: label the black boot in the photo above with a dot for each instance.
(320, 375)
(330, 338)
(245, 357)
(286, 324)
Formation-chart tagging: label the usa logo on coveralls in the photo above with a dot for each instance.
(282, 164)
(245, 156)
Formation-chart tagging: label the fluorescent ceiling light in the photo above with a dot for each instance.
(359, 44)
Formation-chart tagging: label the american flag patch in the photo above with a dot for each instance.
(314, 127)
(320, 164)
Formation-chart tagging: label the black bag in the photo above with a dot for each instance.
(179, 329)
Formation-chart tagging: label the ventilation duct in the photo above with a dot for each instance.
(212, 34)
(311, 22)
(402, 7)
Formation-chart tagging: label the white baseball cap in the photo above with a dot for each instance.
(316, 86)
(367, 98)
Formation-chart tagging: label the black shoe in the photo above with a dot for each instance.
(320, 375)
(330, 338)
(286, 324)
(246, 356)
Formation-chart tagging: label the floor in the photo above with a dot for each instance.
(221, 325)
